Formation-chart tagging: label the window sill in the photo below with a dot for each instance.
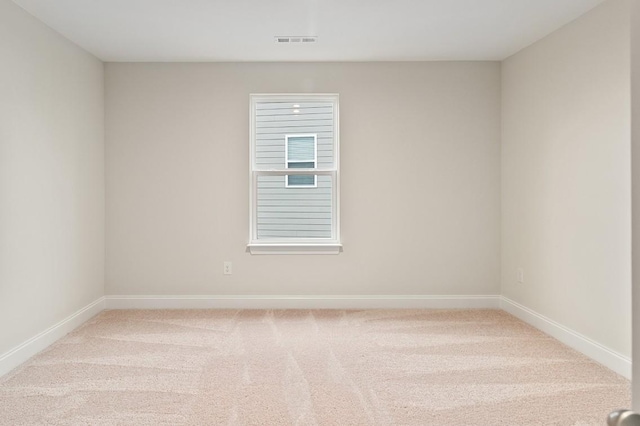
(285, 248)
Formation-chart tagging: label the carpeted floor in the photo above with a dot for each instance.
(377, 367)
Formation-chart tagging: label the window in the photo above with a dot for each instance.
(294, 174)
(301, 152)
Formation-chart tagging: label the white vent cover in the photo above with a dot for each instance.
(295, 39)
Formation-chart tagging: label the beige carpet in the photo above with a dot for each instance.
(480, 367)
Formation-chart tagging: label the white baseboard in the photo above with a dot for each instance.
(21, 353)
(594, 350)
(303, 302)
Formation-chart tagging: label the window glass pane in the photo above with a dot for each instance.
(275, 120)
(293, 213)
(301, 180)
(308, 165)
(301, 148)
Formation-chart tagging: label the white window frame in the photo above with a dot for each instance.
(315, 159)
(330, 245)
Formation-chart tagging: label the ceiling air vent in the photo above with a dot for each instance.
(296, 39)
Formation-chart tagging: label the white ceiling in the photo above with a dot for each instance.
(347, 30)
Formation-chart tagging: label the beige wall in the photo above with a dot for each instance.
(566, 176)
(420, 151)
(635, 159)
(51, 177)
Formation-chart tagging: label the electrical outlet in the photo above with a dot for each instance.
(520, 275)
(227, 268)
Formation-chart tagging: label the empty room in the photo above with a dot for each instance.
(319, 212)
